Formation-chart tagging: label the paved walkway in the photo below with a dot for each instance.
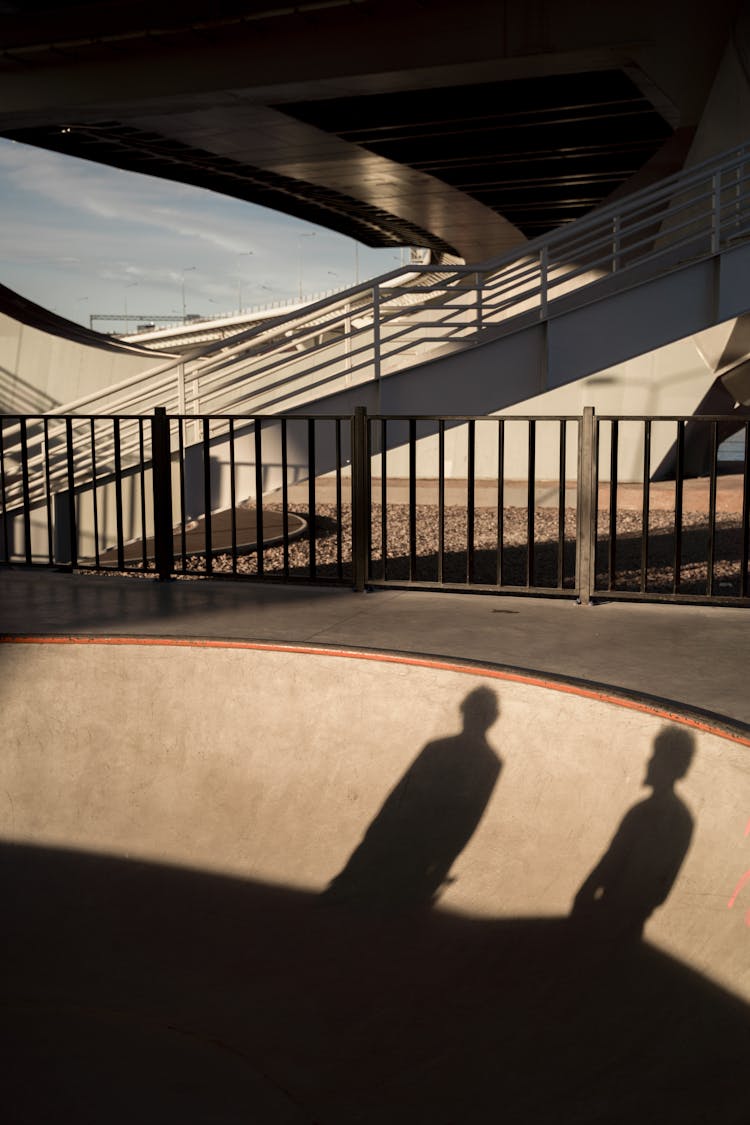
(694, 655)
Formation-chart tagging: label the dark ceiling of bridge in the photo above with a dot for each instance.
(69, 28)
(541, 151)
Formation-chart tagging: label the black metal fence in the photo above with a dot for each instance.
(692, 544)
(587, 507)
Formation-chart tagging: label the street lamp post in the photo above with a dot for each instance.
(242, 254)
(311, 234)
(186, 269)
(130, 285)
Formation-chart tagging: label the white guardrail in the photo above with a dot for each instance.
(402, 318)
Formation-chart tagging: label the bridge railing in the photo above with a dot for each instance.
(365, 333)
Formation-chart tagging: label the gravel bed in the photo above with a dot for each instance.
(727, 549)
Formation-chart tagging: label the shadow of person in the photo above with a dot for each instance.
(426, 821)
(636, 873)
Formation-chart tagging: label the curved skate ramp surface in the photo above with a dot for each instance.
(286, 884)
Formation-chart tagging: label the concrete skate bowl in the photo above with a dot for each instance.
(248, 883)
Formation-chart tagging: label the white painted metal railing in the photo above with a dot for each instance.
(370, 331)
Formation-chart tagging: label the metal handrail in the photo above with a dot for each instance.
(506, 271)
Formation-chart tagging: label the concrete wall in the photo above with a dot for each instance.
(39, 370)
(669, 380)
(271, 765)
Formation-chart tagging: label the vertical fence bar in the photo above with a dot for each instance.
(470, 500)
(48, 492)
(384, 496)
(543, 281)
(745, 514)
(161, 483)
(376, 347)
(348, 344)
(26, 492)
(678, 494)
(118, 494)
(360, 499)
(478, 284)
(72, 522)
(258, 435)
(561, 505)
(339, 541)
(233, 494)
(207, 528)
(412, 499)
(441, 500)
(587, 485)
(712, 510)
(94, 497)
(183, 503)
(612, 545)
(530, 505)
(6, 536)
(181, 388)
(142, 476)
(368, 496)
(646, 506)
(285, 497)
(311, 493)
(500, 497)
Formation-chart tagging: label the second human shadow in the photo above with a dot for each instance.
(636, 873)
(427, 820)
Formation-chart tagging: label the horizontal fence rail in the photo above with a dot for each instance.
(566, 506)
(365, 333)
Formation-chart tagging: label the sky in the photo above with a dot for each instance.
(84, 240)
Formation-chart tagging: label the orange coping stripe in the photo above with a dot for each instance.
(393, 658)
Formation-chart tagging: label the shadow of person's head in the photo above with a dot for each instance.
(480, 710)
(670, 760)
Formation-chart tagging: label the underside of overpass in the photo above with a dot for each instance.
(464, 130)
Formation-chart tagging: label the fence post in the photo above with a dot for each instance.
(63, 532)
(161, 465)
(585, 529)
(360, 498)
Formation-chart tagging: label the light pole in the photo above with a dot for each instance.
(186, 269)
(299, 260)
(242, 254)
(130, 285)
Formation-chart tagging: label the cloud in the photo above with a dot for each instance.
(72, 231)
(125, 197)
